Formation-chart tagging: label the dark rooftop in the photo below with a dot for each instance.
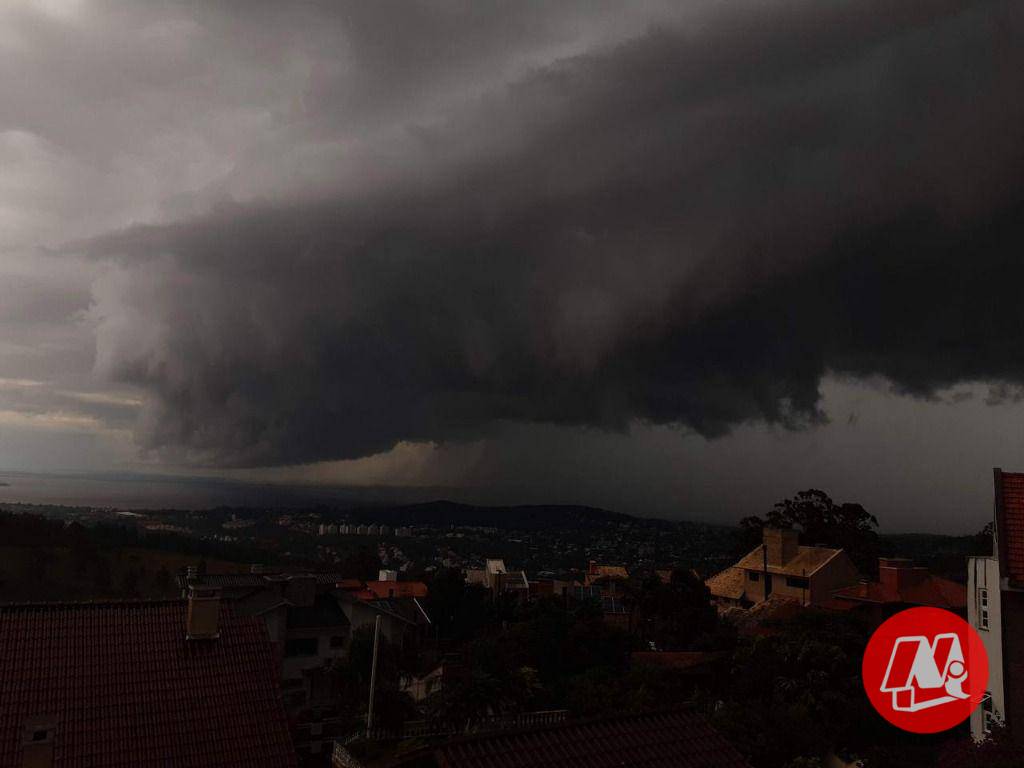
(122, 686)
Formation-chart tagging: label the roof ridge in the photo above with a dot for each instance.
(128, 602)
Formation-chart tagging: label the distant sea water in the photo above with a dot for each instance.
(146, 491)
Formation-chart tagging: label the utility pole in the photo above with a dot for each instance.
(373, 677)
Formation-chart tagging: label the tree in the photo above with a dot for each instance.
(162, 582)
(673, 615)
(981, 542)
(363, 563)
(996, 751)
(821, 521)
(461, 611)
(351, 680)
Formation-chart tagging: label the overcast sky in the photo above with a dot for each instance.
(679, 258)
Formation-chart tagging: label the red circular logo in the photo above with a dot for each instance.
(925, 670)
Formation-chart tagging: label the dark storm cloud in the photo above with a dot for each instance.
(692, 227)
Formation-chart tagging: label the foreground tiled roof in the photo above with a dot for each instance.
(728, 583)
(806, 562)
(678, 739)
(124, 687)
(1010, 514)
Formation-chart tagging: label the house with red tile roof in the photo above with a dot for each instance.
(598, 573)
(496, 577)
(901, 585)
(782, 567)
(310, 618)
(139, 683)
(669, 739)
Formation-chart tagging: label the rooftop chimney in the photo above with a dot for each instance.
(203, 613)
(783, 544)
(37, 742)
(898, 573)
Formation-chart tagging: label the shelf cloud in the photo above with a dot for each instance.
(690, 226)
(308, 233)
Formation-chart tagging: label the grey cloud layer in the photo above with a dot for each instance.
(691, 226)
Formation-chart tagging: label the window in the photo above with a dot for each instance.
(982, 608)
(988, 714)
(754, 575)
(301, 646)
(797, 582)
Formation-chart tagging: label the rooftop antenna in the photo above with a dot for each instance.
(373, 676)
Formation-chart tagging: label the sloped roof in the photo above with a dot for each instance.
(728, 583)
(407, 609)
(255, 580)
(675, 739)
(258, 602)
(765, 617)
(325, 612)
(124, 687)
(807, 561)
(397, 588)
(1010, 523)
(611, 571)
(930, 591)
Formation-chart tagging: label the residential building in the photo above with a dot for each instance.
(237, 585)
(995, 608)
(780, 566)
(901, 585)
(559, 588)
(498, 579)
(613, 611)
(140, 683)
(310, 617)
(597, 572)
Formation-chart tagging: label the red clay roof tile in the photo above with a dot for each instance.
(1011, 495)
(124, 687)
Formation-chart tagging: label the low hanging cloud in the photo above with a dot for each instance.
(692, 226)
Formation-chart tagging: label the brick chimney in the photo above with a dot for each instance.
(898, 573)
(783, 544)
(203, 613)
(37, 742)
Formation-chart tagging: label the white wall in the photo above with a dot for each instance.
(983, 573)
